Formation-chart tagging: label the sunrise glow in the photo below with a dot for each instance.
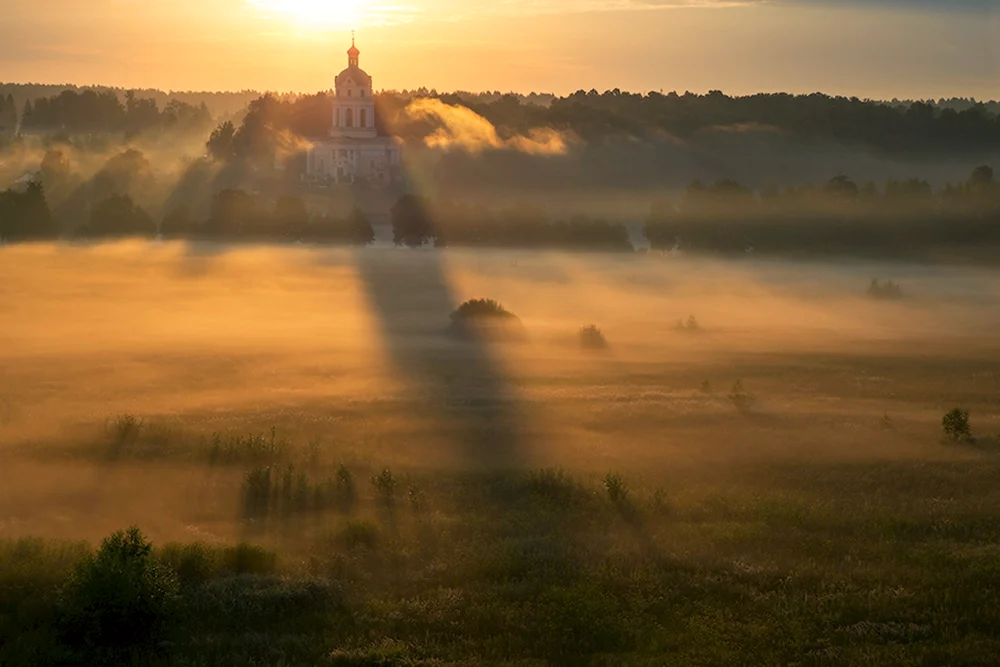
(315, 13)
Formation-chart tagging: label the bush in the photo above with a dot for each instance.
(690, 326)
(487, 318)
(592, 338)
(120, 602)
(956, 427)
(385, 487)
(886, 290)
(616, 488)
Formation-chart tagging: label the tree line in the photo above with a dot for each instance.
(417, 221)
(838, 218)
(235, 215)
(88, 111)
(903, 217)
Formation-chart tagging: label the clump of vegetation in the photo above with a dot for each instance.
(689, 326)
(742, 399)
(955, 425)
(550, 484)
(616, 488)
(358, 534)
(485, 317)
(417, 498)
(887, 290)
(706, 388)
(249, 448)
(592, 338)
(120, 602)
(385, 487)
(270, 492)
(197, 563)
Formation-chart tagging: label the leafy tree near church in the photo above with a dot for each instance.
(411, 221)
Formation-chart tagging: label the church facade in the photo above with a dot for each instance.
(353, 151)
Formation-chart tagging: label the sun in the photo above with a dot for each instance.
(315, 13)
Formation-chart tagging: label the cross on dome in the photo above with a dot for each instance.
(353, 53)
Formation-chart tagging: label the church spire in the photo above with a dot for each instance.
(352, 53)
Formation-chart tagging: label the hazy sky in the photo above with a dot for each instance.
(873, 48)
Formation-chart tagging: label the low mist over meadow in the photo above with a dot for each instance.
(409, 377)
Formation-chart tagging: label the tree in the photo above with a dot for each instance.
(956, 427)
(120, 602)
(233, 212)
(411, 221)
(220, 142)
(178, 222)
(361, 230)
(26, 215)
(118, 216)
(290, 217)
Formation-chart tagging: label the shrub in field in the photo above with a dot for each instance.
(886, 290)
(257, 486)
(741, 398)
(119, 602)
(616, 488)
(197, 563)
(250, 448)
(706, 388)
(485, 317)
(689, 326)
(417, 498)
(385, 487)
(124, 429)
(955, 425)
(551, 484)
(592, 338)
(346, 490)
(357, 534)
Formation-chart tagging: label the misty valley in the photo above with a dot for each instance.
(416, 378)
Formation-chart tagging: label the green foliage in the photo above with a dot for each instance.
(25, 216)
(411, 221)
(357, 534)
(955, 425)
(197, 563)
(485, 318)
(120, 602)
(385, 487)
(592, 338)
(481, 308)
(118, 216)
(616, 488)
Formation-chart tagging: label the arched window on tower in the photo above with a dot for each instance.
(349, 117)
(363, 118)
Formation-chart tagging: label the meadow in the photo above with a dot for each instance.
(751, 471)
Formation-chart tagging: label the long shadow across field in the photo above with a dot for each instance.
(459, 384)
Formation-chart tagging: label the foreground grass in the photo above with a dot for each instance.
(894, 563)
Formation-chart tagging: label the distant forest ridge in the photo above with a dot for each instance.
(229, 104)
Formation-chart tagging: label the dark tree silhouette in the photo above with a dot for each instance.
(118, 216)
(411, 221)
(25, 216)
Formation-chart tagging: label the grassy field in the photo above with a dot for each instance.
(326, 477)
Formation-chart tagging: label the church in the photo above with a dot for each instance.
(353, 151)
